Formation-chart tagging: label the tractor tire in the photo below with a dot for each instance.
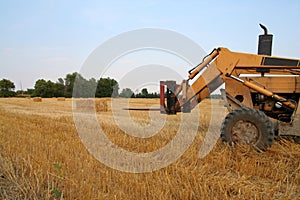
(249, 126)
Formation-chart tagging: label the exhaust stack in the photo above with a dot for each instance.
(265, 42)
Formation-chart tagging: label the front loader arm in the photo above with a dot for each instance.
(190, 96)
(218, 66)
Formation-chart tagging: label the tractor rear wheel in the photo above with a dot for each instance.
(249, 126)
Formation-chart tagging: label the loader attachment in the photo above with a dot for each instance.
(184, 97)
(175, 96)
(167, 90)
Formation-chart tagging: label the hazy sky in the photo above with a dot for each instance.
(48, 39)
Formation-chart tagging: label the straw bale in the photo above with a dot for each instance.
(61, 99)
(37, 99)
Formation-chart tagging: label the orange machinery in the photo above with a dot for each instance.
(261, 93)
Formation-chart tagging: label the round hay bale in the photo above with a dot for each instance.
(61, 99)
(84, 105)
(37, 99)
(101, 106)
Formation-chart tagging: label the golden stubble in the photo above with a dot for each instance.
(42, 157)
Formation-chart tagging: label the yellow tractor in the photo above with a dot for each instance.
(261, 93)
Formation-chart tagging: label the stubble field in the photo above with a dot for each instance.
(42, 157)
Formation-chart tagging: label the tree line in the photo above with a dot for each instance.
(65, 87)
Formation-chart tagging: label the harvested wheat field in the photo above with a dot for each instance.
(42, 157)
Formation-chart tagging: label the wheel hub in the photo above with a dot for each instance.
(245, 132)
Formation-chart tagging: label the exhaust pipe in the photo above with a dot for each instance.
(265, 42)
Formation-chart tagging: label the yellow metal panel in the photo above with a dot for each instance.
(235, 88)
(226, 58)
(280, 84)
(206, 77)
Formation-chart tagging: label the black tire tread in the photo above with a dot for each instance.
(267, 137)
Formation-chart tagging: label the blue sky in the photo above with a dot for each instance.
(48, 39)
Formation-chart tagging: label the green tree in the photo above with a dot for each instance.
(83, 87)
(91, 87)
(47, 89)
(41, 88)
(58, 89)
(20, 92)
(69, 84)
(145, 92)
(29, 91)
(107, 87)
(76, 85)
(7, 88)
(127, 93)
(61, 81)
